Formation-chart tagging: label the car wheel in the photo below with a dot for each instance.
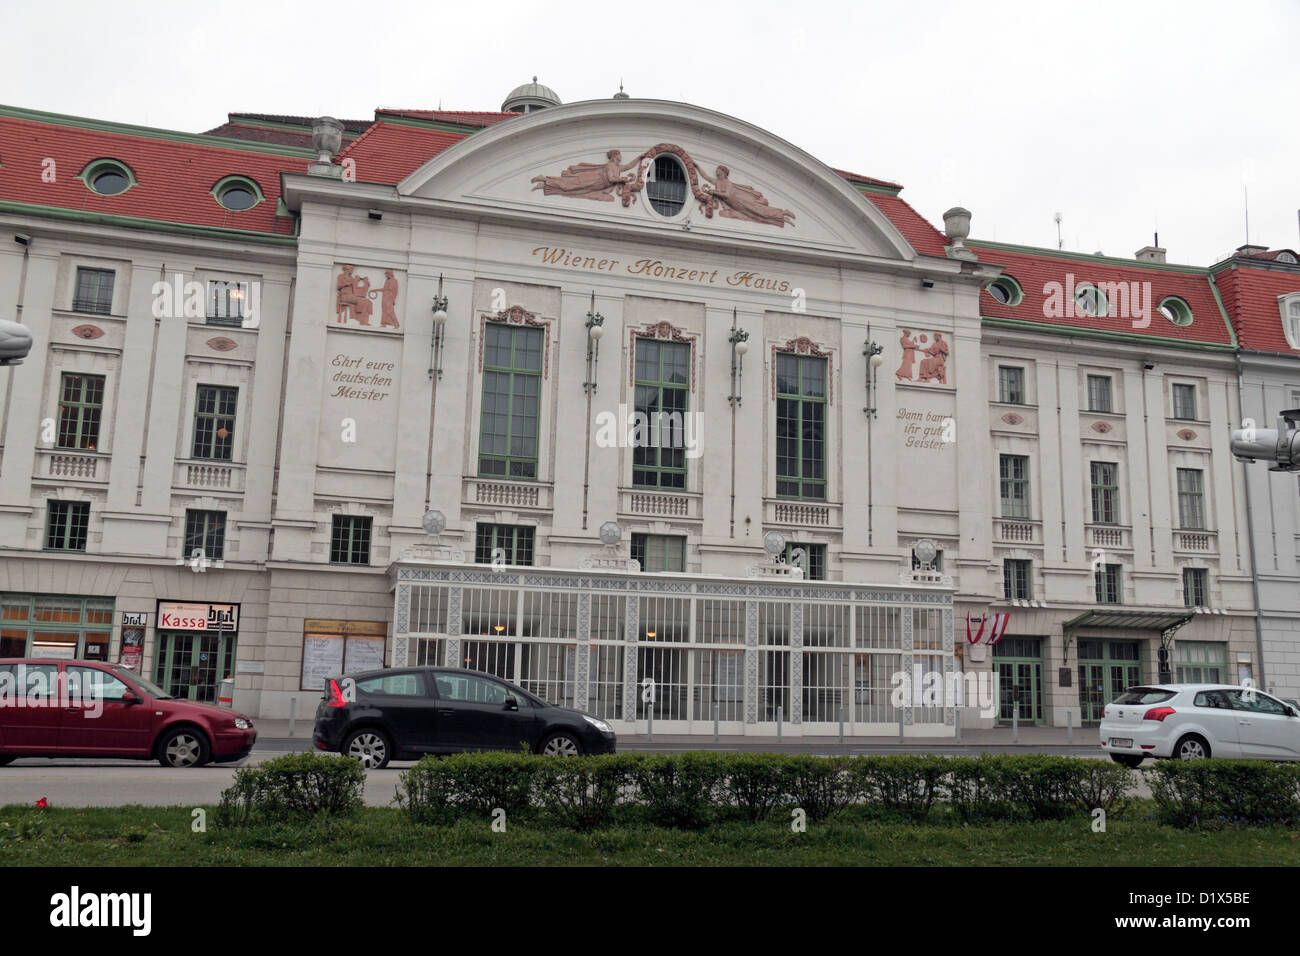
(369, 746)
(1192, 747)
(561, 745)
(1132, 761)
(184, 747)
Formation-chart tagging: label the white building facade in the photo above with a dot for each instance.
(411, 435)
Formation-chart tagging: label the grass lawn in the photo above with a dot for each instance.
(161, 836)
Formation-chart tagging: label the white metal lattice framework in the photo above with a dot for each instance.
(746, 652)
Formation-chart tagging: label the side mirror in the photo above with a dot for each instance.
(129, 697)
(511, 704)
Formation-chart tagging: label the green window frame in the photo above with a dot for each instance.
(1011, 385)
(67, 525)
(662, 395)
(94, 291)
(1017, 579)
(1184, 402)
(350, 539)
(814, 555)
(1196, 587)
(1200, 662)
(801, 426)
(227, 299)
(81, 409)
(1100, 398)
(512, 385)
(1105, 492)
(214, 412)
(1191, 499)
(517, 541)
(1013, 474)
(659, 552)
(1109, 584)
(85, 622)
(205, 531)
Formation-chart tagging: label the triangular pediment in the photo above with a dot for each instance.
(600, 162)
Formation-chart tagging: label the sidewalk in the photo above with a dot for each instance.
(1031, 737)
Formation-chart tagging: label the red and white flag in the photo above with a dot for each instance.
(995, 624)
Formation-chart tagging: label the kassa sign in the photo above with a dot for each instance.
(197, 617)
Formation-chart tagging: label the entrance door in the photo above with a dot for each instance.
(1018, 663)
(1092, 691)
(191, 664)
(1106, 670)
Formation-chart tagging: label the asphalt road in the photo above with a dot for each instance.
(113, 783)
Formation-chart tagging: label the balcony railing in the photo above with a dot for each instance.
(1017, 531)
(216, 475)
(73, 466)
(1196, 541)
(661, 505)
(506, 494)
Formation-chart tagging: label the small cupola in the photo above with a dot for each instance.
(529, 98)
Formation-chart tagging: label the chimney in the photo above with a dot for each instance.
(1150, 254)
(1249, 250)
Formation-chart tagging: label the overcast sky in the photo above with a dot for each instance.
(1124, 116)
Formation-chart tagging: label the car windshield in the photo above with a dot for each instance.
(146, 685)
(1144, 695)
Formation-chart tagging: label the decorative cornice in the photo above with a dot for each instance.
(664, 330)
(516, 315)
(802, 345)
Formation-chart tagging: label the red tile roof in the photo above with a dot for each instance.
(1045, 279)
(869, 180)
(463, 117)
(173, 176)
(388, 153)
(1250, 296)
(924, 238)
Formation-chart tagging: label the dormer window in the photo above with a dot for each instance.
(1289, 305)
(237, 193)
(107, 177)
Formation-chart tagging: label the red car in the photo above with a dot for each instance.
(51, 708)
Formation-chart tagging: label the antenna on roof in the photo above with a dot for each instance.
(1060, 243)
(1245, 201)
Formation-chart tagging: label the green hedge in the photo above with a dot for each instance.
(692, 790)
(1211, 794)
(294, 787)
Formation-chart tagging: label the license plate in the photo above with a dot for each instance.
(1121, 741)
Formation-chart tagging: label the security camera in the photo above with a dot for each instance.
(1280, 445)
(376, 214)
(927, 283)
(22, 239)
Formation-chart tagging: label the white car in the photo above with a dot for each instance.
(1188, 721)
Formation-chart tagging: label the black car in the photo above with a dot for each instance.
(403, 713)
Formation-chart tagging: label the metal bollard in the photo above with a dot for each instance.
(1069, 725)
(957, 711)
(650, 725)
(293, 713)
(715, 722)
(1015, 724)
(900, 725)
(778, 723)
(841, 723)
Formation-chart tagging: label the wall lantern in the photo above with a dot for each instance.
(595, 329)
(872, 350)
(439, 328)
(739, 340)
